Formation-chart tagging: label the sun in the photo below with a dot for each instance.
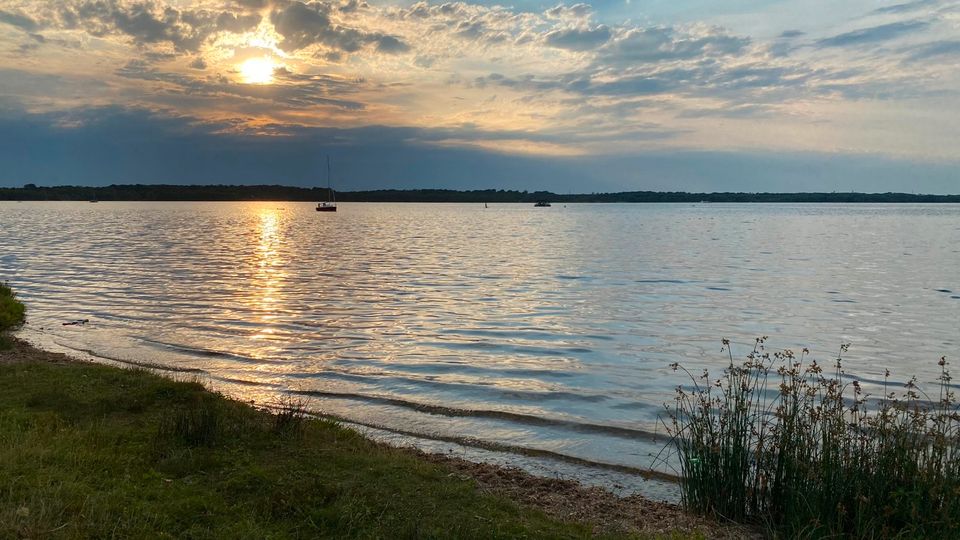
(258, 70)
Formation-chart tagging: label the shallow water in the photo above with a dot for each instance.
(503, 330)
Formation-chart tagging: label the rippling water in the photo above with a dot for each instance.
(509, 328)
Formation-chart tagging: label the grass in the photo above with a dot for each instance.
(96, 451)
(779, 441)
(12, 313)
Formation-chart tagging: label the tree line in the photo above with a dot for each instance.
(169, 192)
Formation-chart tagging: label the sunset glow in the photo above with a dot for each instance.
(479, 94)
(257, 71)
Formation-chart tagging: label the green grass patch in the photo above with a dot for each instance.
(93, 451)
(778, 440)
(12, 313)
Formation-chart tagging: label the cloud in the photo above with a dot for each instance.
(304, 25)
(873, 34)
(578, 39)
(391, 44)
(908, 6)
(19, 20)
(663, 43)
(565, 76)
(575, 11)
(934, 49)
(290, 90)
(104, 145)
(144, 22)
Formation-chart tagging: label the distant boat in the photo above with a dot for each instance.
(94, 199)
(541, 204)
(330, 205)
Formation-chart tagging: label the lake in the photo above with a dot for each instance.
(538, 337)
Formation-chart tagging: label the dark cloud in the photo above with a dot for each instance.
(290, 90)
(471, 29)
(873, 34)
(935, 49)
(253, 4)
(390, 44)
(730, 111)
(790, 34)
(578, 39)
(353, 5)
(744, 83)
(660, 43)
(908, 6)
(198, 63)
(303, 25)
(231, 22)
(106, 145)
(145, 22)
(19, 20)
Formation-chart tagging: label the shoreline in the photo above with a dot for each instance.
(566, 500)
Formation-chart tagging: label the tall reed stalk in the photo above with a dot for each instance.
(778, 441)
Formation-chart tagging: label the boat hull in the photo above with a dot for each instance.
(326, 209)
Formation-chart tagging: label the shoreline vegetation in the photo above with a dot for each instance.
(12, 314)
(805, 451)
(93, 451)
(167, 192)
(776, 446)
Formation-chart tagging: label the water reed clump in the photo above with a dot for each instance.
(806, 452)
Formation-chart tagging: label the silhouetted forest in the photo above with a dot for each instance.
(165, 192)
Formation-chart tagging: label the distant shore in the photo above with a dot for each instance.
(167, 192)
(106, 433)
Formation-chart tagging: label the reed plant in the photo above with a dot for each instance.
(804, 451)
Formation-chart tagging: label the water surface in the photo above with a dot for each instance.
(497, 330)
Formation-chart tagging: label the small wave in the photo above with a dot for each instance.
(209, 353)
(580, 427)
(148, 365)
(517, 349)
(430, 382)
(649, 474)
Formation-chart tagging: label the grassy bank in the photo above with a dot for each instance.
(803, 449)
(92, 451)
(95, 451)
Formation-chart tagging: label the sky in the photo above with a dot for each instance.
(614, 95)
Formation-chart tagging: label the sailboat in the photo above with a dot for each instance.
(330, 205)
